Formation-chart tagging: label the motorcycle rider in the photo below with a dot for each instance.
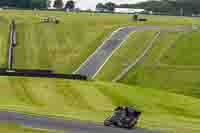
(120, 114)
(124, 117)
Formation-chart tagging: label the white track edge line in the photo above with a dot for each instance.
(124, 72)
(125, 39)
(154, 28)
(111, 34)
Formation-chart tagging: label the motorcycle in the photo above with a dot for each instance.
(123, 117)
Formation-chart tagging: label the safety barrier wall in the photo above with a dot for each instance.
(31, 73)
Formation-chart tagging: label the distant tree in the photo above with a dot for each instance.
(110, 6)
(58, 4)
(39, 4)
(168, 7)
(100, 7)
(135, 17)
(24, 3)
(70, 5)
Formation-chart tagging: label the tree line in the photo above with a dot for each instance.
(69, 5)
(168, 7)
(24, 3)
(109, 7)
(31, 4)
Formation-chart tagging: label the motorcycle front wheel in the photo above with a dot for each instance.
(107, 122)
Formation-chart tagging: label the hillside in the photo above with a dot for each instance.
(63, 47)
(136, 43)
(171, 65)
(68, 43)
(168, 65)
(4, 41)
(95, 100)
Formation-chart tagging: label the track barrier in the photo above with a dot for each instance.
(13, 43)
(39, 73)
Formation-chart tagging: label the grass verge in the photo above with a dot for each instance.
(94, 101)
(175, 78)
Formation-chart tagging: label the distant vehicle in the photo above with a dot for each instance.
(123, 117)
(50, 20)
(142, 19)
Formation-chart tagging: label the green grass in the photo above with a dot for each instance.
(170, 64)
(185, 52)
(50, 46)
(4, 43)
(180, 79)
(61, 47)
(13, 128)
(65, 46)
(126, 55)
(94, 101)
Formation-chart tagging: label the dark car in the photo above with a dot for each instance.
(123, 117)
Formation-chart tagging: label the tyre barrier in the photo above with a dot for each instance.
(27, 70)
(39, 74)
(33, 70)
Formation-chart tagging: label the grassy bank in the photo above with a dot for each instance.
(4, 41)
(171, 65)
(95, 100)
(185, 51)
(65, 46)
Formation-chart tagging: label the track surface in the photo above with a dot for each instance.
(95, 62)
(60, 124)
(99, 57)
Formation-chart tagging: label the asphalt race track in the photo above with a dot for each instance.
(90, 67)
(60, 124)
(95, 62)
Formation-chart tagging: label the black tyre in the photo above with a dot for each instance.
(107, 122)
(57, 21)
(132, 124)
